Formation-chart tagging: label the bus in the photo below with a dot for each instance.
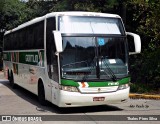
(71, 59)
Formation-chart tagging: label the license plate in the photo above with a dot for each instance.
(98, 98)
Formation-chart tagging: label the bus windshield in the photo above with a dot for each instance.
(90, 25)
(89, 58)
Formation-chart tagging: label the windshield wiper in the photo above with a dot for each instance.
(114, 78)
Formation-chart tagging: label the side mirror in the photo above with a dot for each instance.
(58, 41)
(134, 43)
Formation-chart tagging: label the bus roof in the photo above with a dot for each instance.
(53, 14)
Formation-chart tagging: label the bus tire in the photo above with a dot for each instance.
(41, 93)
(11, 80)
(8, 75)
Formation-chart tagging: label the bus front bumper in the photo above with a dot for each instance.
(76, 99)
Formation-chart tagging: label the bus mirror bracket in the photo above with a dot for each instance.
(58, 41)
(137, 43)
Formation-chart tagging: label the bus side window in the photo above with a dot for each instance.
(52, 63)
(40, 36)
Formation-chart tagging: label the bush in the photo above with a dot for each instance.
(144, 88)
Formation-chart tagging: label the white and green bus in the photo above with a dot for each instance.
(71, 58)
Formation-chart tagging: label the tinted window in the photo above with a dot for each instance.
(52, 65)
(93, 57)
(30, 37)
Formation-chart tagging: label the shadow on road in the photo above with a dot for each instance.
(33, 99)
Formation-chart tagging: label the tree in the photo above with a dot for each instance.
(13, 13)
(146, 20)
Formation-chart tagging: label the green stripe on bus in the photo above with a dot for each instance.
(102, 84)
(32, 57)
(69, 83)
(96, 84)
(125, 80)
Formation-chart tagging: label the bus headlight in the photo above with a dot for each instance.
(68, 88)
(124, 86)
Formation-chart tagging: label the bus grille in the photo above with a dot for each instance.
(98, 89)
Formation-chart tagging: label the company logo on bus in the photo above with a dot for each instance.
(31, 58)
(113, 83)
(99, 89)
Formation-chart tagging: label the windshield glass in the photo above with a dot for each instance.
(88, 58)
(93, 25)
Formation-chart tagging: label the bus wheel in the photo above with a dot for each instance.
(8, 75)
(41, 93)
(11, 80)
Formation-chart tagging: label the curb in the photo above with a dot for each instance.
(144, 96)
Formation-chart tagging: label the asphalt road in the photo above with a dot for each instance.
(21, 102)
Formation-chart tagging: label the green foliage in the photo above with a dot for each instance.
(140, 88)
(40, 8)
(147, 23)
(83, 5)
(13, 13)
(144, 88)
